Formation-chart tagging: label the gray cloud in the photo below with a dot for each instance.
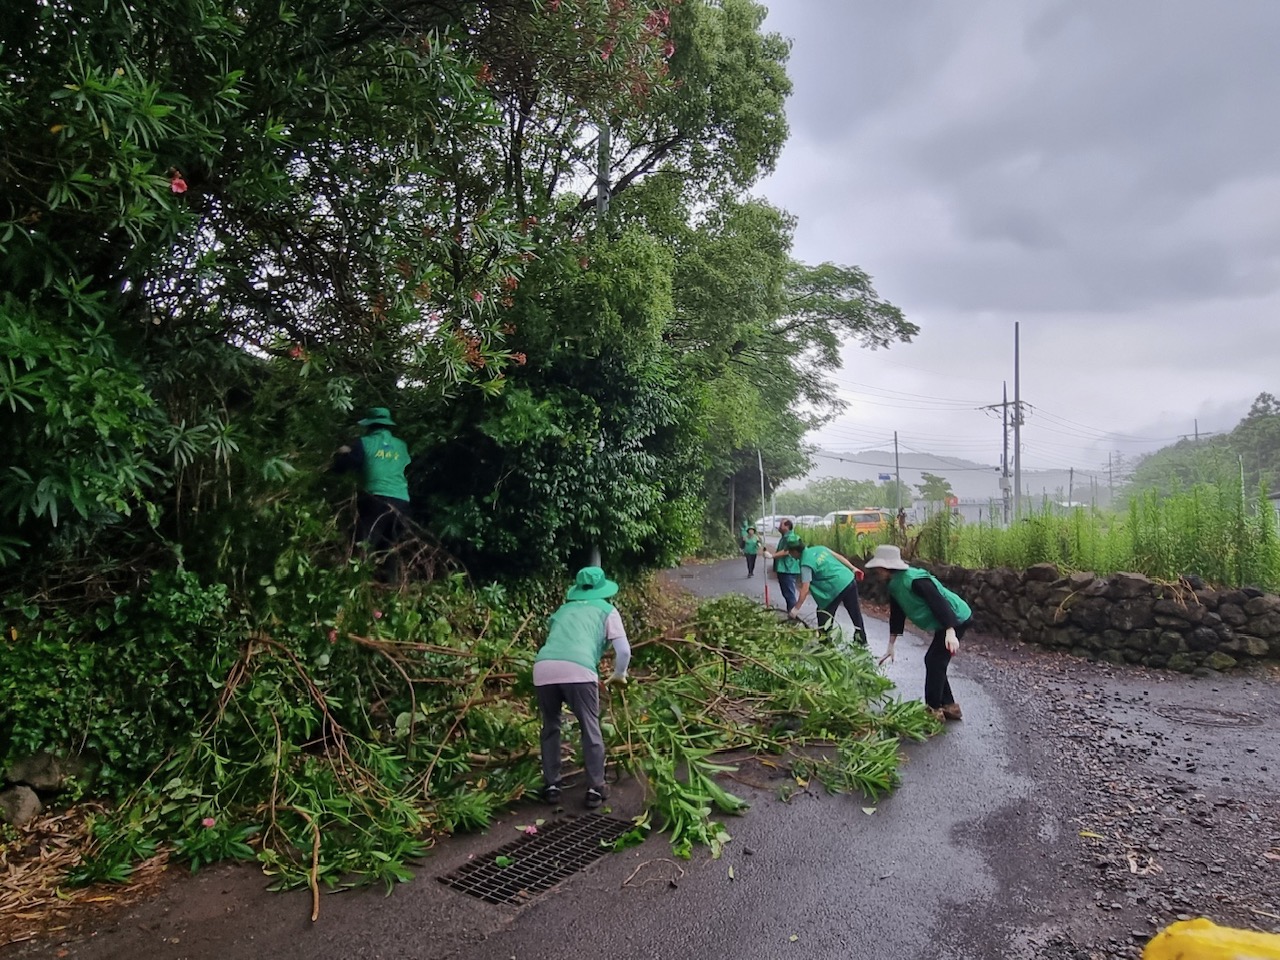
(1064, 145)
(1106, 172)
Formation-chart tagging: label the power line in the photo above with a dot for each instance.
(873, 463)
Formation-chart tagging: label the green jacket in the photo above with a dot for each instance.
(385, 460)
(788, 563)
(750, 547)
(830, 577)
(915, 608)
(576, 633)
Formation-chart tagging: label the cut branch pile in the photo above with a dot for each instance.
(341, 766)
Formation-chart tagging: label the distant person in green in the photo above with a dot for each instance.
(916, 595)
(380, 458)
(785, 565)
(833, 581)
(742, 534)
(752, 546)
(565, 674)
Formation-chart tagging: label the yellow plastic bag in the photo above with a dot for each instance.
(1204, 940)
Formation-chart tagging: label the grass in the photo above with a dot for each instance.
(1217, 531)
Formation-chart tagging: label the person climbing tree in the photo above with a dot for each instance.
(382, 505)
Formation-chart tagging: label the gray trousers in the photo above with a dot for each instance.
(583, 700)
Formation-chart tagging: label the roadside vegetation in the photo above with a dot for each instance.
(1220, 532)
(224, 231)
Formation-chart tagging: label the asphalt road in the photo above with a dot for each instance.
(978, 854)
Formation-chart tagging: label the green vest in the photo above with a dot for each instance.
(750, 547)
(788, 563)
(385, 460)
(830, 577)
(576, 633)
(913, 604)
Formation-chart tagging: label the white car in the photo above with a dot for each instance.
(770, 524)
(809, 520)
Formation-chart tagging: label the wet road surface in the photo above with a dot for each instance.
(978, 854)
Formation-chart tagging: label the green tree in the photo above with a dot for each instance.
(934, 488)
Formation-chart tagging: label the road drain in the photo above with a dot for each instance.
(515, 872)
(1208, 717)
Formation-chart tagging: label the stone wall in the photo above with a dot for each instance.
(1121, 618)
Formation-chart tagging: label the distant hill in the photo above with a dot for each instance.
(969, 480)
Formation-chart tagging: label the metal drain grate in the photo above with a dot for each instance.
(537, 863)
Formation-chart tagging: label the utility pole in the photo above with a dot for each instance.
(1005, 486)
(1197, 423)
(763, 502)
(897, 474)
(1071, 487)
(602, 210)
(1004, 457)
(1017, 424)
(1111, 479)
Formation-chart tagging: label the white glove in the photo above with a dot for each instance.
(888, 654)
(952, 641)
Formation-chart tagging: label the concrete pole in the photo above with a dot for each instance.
(1017, 424)
(897, 474)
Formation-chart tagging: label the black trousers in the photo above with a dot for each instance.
(937, 688)
(751, 564)
(849, 598)
(380, 525)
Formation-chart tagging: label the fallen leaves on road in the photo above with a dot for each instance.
(35, 863)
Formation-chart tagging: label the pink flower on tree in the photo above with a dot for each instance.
(377, 614)
(208, 822)
(176, 183)
(477, 296)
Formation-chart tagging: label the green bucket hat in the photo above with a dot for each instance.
(378, 415)
(591, 584)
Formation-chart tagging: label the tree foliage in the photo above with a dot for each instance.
(226, 227)
(934, 488)
(1250, 450)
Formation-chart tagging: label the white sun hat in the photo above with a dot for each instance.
(887, 556)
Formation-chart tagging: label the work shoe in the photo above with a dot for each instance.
(936, 713)
(952, 711)
(595, 797)
(551, 793)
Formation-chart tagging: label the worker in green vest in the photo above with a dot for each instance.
(565, 674)
(918, 596)
(382, 505)
(752, 547)
(833, 581)
(785, 565)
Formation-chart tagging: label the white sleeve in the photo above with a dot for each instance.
(616, 633)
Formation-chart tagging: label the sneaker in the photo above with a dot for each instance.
(951, 711)
(551, 793)
(595, 797)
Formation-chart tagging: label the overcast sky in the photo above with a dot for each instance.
(1105, 172)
